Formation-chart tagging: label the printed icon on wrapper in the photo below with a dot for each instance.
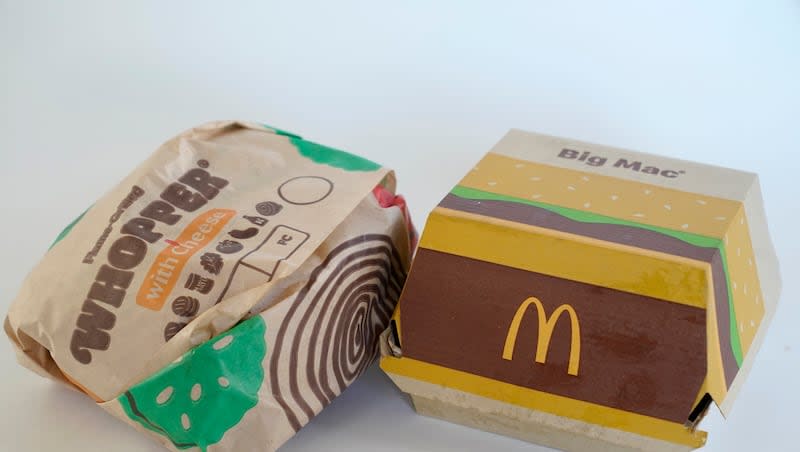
(172, 329)
(229, 247)
(256, 220)
(199, 283)
(305, 190)
(268, 208)
(243, 234)
(212, 263)
(185, 306)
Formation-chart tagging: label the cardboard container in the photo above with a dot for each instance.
(586, 298)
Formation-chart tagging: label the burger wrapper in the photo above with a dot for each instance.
(224, 292)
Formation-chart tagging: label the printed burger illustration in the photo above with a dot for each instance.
(585, 297)
(206, 317)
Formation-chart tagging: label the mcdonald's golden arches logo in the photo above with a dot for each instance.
(546, 326)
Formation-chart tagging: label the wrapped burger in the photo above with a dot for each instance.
(223, 293)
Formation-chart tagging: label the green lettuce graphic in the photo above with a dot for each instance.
(196, 399)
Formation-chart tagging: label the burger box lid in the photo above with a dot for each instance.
(583, 296)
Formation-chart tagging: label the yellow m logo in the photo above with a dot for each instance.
(546, 326)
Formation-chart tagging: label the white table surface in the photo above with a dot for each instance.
(89, 88)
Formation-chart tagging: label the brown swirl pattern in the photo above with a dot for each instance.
(329, 335)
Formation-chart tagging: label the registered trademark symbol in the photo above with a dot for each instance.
(202, 163)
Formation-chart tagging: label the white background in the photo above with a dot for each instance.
(89, 89)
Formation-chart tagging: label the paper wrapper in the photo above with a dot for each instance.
(223, 293)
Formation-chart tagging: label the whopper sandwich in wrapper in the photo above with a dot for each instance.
(223, 293)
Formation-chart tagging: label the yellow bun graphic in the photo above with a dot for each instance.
(619, 198)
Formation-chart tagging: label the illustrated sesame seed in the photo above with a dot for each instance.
(519, 165)
(536, 196)
(720, 218)
(197, 391)
(738, 251)
(492, 183)
(570, 187)
(667, 206)
(614, 197)
(585, 178)
(752, 323)
(222, 343)
(647, 192)
(185, 422)
(750, 262)
(536, 178)
(701, 202)
(685, 226)
(223, 382)
(741, 221)
(734, 285)
(587, 205)
(638, 215)
(164, 396)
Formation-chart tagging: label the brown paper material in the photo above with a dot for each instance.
(224, 292)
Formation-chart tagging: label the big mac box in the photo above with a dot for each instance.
(585, 297)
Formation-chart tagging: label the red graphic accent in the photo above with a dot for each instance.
(171, 242)
(388, 199)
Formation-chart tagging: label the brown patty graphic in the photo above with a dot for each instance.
(637, 353)
(185, 306)
(331, 323)
(625, 235)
